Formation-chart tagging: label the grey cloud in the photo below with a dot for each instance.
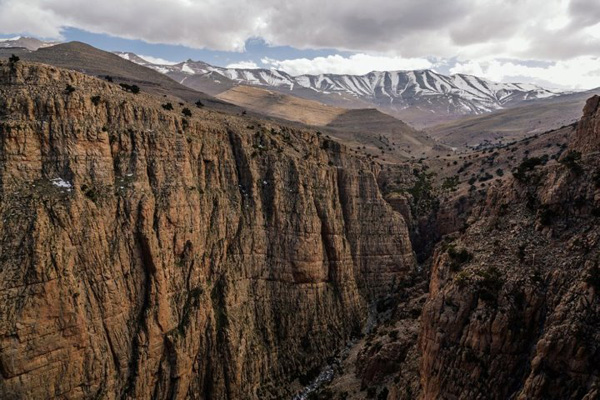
(584, 13)
(411, 28)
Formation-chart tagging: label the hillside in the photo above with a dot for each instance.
(282, 106)
(510, 305)
(92, 61)
(502, 127)
(367, 131)
(421, 98)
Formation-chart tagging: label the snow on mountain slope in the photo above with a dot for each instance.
(28, 43)
(420, 97)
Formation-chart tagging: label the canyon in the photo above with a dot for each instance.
(151, 248)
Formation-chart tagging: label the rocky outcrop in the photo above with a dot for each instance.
(514, 303)
(144, 254)
(587, 137)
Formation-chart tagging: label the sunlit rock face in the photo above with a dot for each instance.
(145, 254)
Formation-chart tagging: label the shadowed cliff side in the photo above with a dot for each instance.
(514, 308)
(145, 254)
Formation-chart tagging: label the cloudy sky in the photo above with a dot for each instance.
(551, 42)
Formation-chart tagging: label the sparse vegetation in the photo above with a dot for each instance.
(571, 161)
(12, 62)
(167, 106)
(593, 277)
(423, 196)
(130, 88)
(490, 284)
(451, 183)
(521, 173)
(69, 89)
(92, 193)
(199, 104)
(486, 177)
(186, 112)
(462, 279)
(546, 215)
(95, 100)
(596, 178)
(458, 258)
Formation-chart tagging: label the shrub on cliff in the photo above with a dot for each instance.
(521, 173)
(458, 258)
(186, 112)
(571, 161)
(490, 285)
(593, 277)
(130, 88)
(424, 199)
(451, 183)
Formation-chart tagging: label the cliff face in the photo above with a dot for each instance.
(147, 255)
(514, 308)
(587, 138)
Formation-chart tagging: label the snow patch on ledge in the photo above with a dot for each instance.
(61, 183)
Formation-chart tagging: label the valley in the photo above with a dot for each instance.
(248, 234)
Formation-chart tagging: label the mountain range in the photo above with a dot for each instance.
(25, 43)
(421, 98)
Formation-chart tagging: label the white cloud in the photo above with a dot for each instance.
(578, 73)
(356, 64)
(469, 29)
(158, 60)
(244, 65)
(386, 35)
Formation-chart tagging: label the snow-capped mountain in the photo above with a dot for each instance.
(421, 97)
(28, 43)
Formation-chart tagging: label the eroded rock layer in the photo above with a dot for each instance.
(149, 255)
(514, 308)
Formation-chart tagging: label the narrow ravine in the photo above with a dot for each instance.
(328, 372)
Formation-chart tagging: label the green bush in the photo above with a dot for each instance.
(528, 164)
(458, 258)
(130, 88)
(451, 183)
(490, 285)
(596, 178)
(383, 395)
(571, 161)
(593, 277)
(546, 215)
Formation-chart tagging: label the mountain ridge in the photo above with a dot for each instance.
(421, 97)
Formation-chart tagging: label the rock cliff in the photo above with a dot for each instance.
(514, 308)
(148, 254)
